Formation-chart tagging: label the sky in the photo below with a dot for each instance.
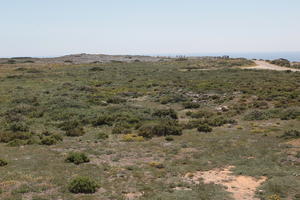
(58, 27)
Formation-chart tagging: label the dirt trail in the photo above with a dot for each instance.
(241, 187)
(267, 66)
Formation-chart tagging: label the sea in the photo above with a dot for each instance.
(291, 56)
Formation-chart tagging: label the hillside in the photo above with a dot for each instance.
(181, 128)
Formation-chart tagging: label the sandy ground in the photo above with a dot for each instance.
(241, 187)
(267, 66)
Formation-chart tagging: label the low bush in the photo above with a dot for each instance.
(260, 105)
(16, 143)
(18, 127)
(96, 69)
(290, 114)
(157, 165)
(69, 125)
(191, 105)
(274, 197)
(256, 115)
(220, 121)
(121, 128)
(3, 162)
(51, 140)
(163, 128)
(7, 136)
(77, 158)
(291, 134)
(83, 185)
(201, 114)
(281, 62)
(174, 98)
(169, 138)
(48, 140)
(132, 138)
(166, 100)
(115, 100)
(165, 113)
(76, 132)
(101, 136)
(204, 128)
(104, 120)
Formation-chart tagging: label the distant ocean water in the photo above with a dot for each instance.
(291, 56)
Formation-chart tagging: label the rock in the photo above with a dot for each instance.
(222, 109)
(293, 159)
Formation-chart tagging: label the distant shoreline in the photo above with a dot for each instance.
(291, 56)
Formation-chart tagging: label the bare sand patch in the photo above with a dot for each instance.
(133, 195)
(294, 143)
(241, 187)
(267, 66)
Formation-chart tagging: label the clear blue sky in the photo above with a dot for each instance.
(59, 27)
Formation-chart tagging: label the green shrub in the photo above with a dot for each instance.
(281, 62)
(256, 115)
(57, 137)
(18, 127)
(16, 143)
(3, 162)
(290, 134)
(290, 114)
(77, 158)
(104, 120)
(204, 128)
(115, 100)
(169, 138)
(82, 185)
(76, 132)
(121, 128)
(220, 121)
(173, 98)
(163, 113)
(101, 136)
(157, 165)
(23, 189)
(69, 125)
(96, 69)
(201, 114)
(191, 105)
(166, 100)
(7, 137)
(48, 140)
(260, 105)
(163, 128)
(132, 138)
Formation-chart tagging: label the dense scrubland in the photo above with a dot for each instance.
(134, 130)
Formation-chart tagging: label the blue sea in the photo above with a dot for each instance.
(291, 56)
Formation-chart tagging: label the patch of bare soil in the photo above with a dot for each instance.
(294, 143)
(133, 195)
(241, 187)
(267, 66)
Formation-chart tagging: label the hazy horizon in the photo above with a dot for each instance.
(54, 28)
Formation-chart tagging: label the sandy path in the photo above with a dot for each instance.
(265, 65)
